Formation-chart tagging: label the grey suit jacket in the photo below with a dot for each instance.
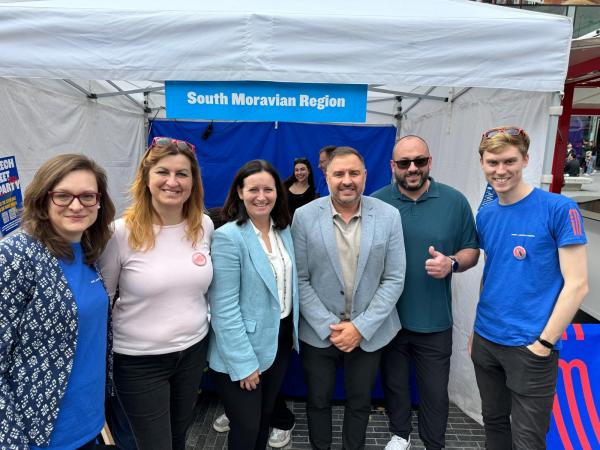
(379, 274)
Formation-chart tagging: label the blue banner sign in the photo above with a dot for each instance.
(266, 101)
(11, 200)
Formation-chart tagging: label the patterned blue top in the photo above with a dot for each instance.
(38, 339)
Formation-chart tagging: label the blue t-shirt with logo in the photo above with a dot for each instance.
(522, 278)
(81, 412)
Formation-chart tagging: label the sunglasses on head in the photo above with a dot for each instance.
(511, 131)
(421, 161)
(165, 141)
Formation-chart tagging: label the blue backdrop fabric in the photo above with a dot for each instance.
(231, 144)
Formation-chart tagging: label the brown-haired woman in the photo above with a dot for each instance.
(54, 310)
(300, 186)
(254, 302)
(159, 257)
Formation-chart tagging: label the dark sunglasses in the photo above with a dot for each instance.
(421, 161)
(511, 131)
(181, 145)
(65, 199)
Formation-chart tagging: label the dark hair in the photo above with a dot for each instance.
(345, 151)
(36, 202)
(234, 208)
(328, 150)
(292, 178)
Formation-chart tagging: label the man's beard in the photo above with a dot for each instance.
(402, 181)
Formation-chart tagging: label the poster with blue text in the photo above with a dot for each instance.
(11, 199)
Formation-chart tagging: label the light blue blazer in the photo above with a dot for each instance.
(244, 303)
(379, 273)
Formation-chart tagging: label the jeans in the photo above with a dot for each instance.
(431, 355)
(514, 383)
(158, 394)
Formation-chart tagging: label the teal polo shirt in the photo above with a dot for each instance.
(443, 218)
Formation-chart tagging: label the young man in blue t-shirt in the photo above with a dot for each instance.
(534, 280)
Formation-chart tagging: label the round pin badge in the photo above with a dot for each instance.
(199, 259)
(519, 252)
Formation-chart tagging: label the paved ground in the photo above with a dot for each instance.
(462, 432)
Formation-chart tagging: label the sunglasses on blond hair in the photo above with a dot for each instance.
(511, 131)
(165, 141)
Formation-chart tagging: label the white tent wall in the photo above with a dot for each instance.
(43, 118)
(453, 132)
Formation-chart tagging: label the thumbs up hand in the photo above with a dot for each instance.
(439, 265)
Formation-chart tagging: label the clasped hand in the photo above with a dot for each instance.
(345, 336)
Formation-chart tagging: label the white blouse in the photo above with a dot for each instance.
(281, 264)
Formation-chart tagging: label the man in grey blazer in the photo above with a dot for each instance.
(351, 263)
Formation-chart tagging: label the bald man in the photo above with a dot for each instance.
(440, 239)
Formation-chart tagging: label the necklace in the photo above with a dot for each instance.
(282, 301)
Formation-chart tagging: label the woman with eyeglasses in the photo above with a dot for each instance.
(159, 257)
(254, 303)
(300, 186)
(54, 310)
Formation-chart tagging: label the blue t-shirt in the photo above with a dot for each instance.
(81, 412)
(522, 278)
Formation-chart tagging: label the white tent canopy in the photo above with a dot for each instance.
(404, 43)
(489, 65)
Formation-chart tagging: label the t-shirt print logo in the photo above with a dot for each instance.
(575, 222)
(519, 252)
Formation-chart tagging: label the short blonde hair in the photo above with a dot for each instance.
(498, 142)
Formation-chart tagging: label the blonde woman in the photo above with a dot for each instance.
(159, 257)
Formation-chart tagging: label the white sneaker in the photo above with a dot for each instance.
(398, 443)
(280, 438)
(221, 423)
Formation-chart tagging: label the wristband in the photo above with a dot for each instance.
(545, 343)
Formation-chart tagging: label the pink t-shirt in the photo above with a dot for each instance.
(162, 306)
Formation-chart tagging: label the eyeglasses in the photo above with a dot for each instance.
(511, 131)
(181, 145)
(421, 161)
(65, 199)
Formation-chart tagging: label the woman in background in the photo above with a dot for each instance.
(254, 303)
(300, 186)
(54, 310)
(159, 257)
